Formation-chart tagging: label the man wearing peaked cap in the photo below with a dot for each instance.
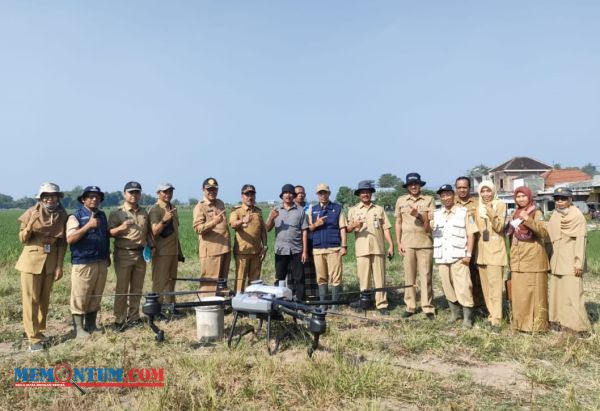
(291, 240)
(89, 238)
(327, 228)
(371, 228)
(453, 241)
(130, 226)
(210, 224)
(165, 229)
(250, 243)
(414, 212)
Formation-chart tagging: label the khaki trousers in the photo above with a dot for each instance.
(36, 290)
(567, 305)
(456, 282)
(418, 260)
(164, 270)
(529, 301)
(329, 268)
(130, 279)
(371, 269)
(213, 267)
(87, 285)
(247, 269)
(492, 282)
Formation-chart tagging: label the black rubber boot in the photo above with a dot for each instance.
(89, 323)
(455, 313)
(335, 296)
(467, 317)
(78, 326)
(323, 295)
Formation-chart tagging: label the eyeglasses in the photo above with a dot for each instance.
(561, 198)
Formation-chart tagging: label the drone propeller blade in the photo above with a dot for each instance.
(202, 279)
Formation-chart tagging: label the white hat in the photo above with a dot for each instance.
(49, 188)
(164, 187)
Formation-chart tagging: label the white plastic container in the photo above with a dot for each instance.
(210, 321)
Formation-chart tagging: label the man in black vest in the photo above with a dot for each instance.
(88, 236)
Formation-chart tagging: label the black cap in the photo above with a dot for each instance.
(248, 187)
(88, 190)
(413, 178)
(364, 185)
(288, 188)
(133, 186)
(445, 187)
(563, 192)
(210, 182)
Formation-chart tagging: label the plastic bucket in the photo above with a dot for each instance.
(209, 321)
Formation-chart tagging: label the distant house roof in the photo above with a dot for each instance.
(554, 177)
(522, 164)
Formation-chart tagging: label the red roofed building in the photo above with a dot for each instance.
(553, 178)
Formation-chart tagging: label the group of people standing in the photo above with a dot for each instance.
(465, 237)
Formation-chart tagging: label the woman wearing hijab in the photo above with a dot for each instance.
(491, 254)
(41, 262)
(528, 264)
(568, 233)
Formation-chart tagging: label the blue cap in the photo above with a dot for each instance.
(563, 192)
(88, 190)
(413, 178)
(364, 185)
(132, 186)
(445, 187)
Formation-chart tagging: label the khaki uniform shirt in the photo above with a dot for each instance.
(214, 238)
(471, 205)
(342, 223)
(530, 256)
(413, 231)
(248, 240)
(136, 237)
(165, 245)
(568, 252)
(493, 251)
(369, 237)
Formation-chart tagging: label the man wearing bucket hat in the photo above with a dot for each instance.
(42, 231)
(210, 223)
(250, 244)
(327, 227)
(291, 240)
(453, 241)
(414, 212)
(88, 236)
(371, 227)
(165, 229)
(130, 226)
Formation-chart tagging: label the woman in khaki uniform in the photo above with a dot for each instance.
(568, 233)
(41, 262)
(529, 264)
(490, 217)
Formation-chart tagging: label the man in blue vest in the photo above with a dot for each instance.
(88, 236)
(327, 226)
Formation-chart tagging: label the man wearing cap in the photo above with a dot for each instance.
(42, 231)
(371, 227)
(213, 235)
(308, 268)
(130, 226)
(414, 212)
(89, 238)
(567, 229)
(453, 240)
(165, 229)
(250, 244)
(291, 240)
(464, 198)
(327, 226)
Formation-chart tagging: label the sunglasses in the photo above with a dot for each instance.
(250, 193)
(561, 198)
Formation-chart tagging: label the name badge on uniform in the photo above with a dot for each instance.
(47, 248)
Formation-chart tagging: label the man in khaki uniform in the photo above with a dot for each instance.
(250, 244)
(213, 236)
(89, 238)
(42, 232)
(327, 226)
(371, 226)
(414, 212)
(464, 199)
(568, 232)
(165, 229)
(130, 226)
(453, 240)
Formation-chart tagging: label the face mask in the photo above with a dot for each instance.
(50, 208)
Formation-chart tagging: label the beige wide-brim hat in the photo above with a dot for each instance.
(49, 188)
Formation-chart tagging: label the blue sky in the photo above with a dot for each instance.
(291, 91)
